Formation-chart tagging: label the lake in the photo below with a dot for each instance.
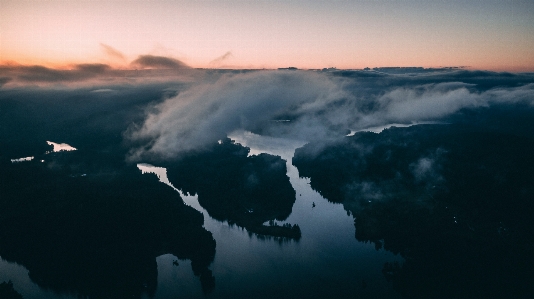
(326, 261)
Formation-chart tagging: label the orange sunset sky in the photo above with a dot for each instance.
(491, 35)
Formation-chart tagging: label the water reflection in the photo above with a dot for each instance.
(22, 283)
(96, 235)
(176, 281)
(22, 159)
(160, 172)
(58, 147)
(241, 189)
(379, 129)
(327, 261)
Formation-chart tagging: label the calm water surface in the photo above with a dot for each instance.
(326, 261)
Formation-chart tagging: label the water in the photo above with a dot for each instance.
(24, 285)
(326, 261)
(379, 129)
(58, 147)
(22, 159)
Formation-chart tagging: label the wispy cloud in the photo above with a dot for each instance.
(219, 60)
(158, 62)
(112, 52)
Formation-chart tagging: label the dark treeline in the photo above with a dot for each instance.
(8, 292)
(86, 221)
(454, 200)
(96, 230)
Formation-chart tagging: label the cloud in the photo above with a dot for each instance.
(428, 169)
(434, 102)
(307, 106)
(4, 80)
(87, 74)
(41, 73)
(196, 108)
(112, 52)
(371, 82)
(208, 112)
(202, 107)
(217, 61)
(158, 62)
(38, 73)
(427, 102)
(94, 68)
(102, 90)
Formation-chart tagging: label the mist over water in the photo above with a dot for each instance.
(313, 106)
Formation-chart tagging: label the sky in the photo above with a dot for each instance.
(489, 35)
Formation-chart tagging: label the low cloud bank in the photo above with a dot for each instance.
(217, 62)
(38, 73)
(303, 105)
(208, 112)
(199, 107)
(156, 68)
